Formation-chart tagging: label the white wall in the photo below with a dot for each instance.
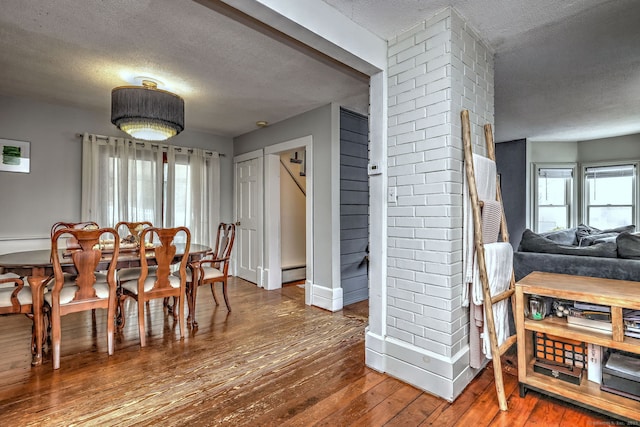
(550, 152)
(609, 149)
(436, 69)
(51, 191)
(596, 150)
(292, 215)
(592, 151)
(319, 124)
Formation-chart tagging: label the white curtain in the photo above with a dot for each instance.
(128, 180)
(193, 192)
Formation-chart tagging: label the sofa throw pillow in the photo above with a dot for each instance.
(628, 245)
(584, 231)
(532, 242)
(563, 237)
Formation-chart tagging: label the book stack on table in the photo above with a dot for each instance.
(590, 316)
(631, 320)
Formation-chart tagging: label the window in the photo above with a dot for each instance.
(554, 197)
(125, 180)
(609, 195)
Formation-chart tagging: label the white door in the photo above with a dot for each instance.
(247, 211)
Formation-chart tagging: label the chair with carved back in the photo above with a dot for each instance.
(15, 298)
(130, 233)
(86, 292)
(214, 268)
(71, 243)
(159, 283)
(133, 229)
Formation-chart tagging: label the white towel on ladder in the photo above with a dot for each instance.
(484, 170)
(498, 259)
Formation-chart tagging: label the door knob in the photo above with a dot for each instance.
(237, 223)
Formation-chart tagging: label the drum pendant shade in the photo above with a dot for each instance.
(147, 113)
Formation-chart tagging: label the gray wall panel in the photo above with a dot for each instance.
(354, 206)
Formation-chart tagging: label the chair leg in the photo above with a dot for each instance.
(55, 335)
(111, 315)
(224, 293)
(192, 304)
(141, 322)
(172, 307)
(213, 292)
(33, 332)
(187, 295)
(120, 319)
(180, 314)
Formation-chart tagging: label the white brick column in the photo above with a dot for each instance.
(435, 69)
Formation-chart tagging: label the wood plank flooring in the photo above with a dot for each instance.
(271, 362)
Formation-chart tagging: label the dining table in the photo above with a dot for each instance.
(37, 267)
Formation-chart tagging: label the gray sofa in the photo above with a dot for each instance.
(582, 251)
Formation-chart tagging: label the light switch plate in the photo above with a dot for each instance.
(392, 195)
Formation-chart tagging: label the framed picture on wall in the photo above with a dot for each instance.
(15, 156)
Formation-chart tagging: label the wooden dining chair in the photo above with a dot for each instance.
(213, 268)
(86, 292)
(15, 298)
(71, 242)
(131, 230)
(159, 283)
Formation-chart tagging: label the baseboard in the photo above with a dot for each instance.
(327, 298)
(443, 376)
(294, 274)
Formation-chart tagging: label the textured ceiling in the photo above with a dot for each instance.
(75, 51)
(564, 69)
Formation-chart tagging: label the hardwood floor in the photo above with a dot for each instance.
(271, 362)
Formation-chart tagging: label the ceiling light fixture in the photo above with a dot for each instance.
(146, 112)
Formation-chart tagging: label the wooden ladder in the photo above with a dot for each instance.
(476, 206)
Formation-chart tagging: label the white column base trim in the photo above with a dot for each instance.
(433, 373)
(327, 298)
(261, 277)
(272, 279)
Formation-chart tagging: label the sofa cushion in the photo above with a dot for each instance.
(599, 235)
(563, 237)
(532, 242)
(611, 238)
(525, 263)
(628, 245)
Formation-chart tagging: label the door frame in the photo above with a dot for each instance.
(272, 237)
(259, 155)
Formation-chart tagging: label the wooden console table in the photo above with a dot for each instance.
(617, 294)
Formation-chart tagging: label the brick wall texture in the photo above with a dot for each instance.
(436, 69)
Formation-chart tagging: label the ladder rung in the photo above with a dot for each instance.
(504, 295)
(507, 344)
